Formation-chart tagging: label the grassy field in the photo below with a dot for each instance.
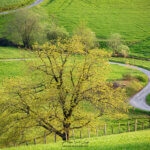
(18, 69)
(148, 99)
(13, 4)
(126, 141)
(13, 53)
(130, 18)
(140, 63)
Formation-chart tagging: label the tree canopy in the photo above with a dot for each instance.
(56, 101)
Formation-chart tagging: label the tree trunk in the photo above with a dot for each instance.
(65, 136)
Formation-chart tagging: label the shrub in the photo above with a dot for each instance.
(142, 78)
(87, 36)
(128, 77)
(133, 87)
(148, 99)
(57, 32)
(115, 44)
(123, 50)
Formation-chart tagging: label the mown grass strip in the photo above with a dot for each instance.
(130, 141)
(135, 62)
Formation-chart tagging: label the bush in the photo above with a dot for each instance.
(57, 32)
(128, 77)
(115, 44)
(142, 78)
(133, 87)
(87, 36)
(148, 99)
(123, 50)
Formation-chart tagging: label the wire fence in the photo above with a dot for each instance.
(102, 130)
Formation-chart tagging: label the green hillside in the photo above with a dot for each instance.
(130, 18)
(126, 141)
(13, 4)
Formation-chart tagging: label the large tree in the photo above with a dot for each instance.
(56, 100)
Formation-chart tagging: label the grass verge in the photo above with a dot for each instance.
(126, 141)
(148, 99)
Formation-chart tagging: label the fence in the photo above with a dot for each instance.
(103, 130)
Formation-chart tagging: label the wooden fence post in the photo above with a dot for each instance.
(80, 134)
(128, 126)
(136, 125)
(119, 127)
(88, 132)
(34, 141)
(143, 125)
(112, 129)
(66, 136)
(73, 134)
(105, 129)
(96, 131)
(44, 137)
(55, 138)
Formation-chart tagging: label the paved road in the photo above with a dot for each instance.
(33, 4)
(139, 100)
(15, 59)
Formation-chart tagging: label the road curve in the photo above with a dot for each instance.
(139, 100)
(33, 4)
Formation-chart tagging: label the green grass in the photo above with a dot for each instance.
(141, 49)
(140, 63)
(104, 16)
(117, 72)
(15, 68)
(130, 18)
(13, 4)
(126, 141)
(18, 69)
(148, 99)
(13, 53)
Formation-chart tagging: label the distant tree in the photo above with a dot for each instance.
(57, 102)
(87, 36)
(115, 44)
(24, 27)
(55, 31)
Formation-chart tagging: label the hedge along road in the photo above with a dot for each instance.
(33, 4)
(138, 100)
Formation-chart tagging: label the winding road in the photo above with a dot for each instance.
(33, 4)
(138, 100)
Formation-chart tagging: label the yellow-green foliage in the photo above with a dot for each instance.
(55, 100)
